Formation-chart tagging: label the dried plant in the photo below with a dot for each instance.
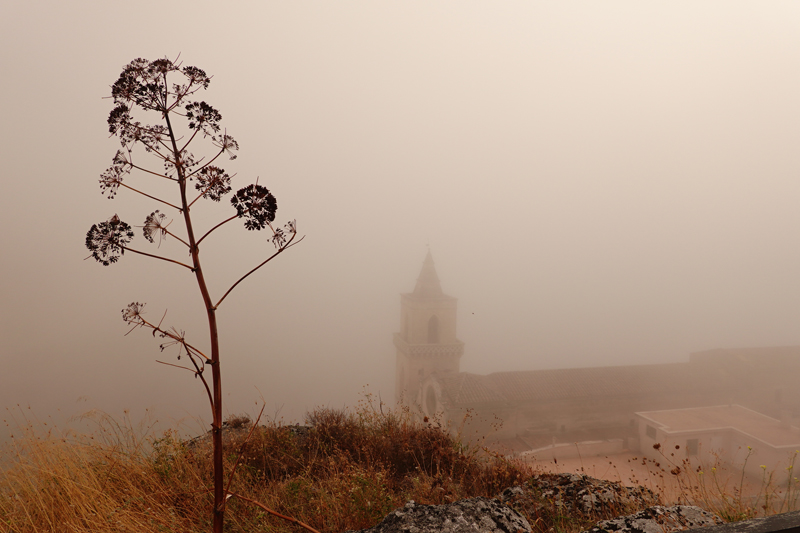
(163, 91)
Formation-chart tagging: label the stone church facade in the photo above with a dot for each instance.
(528, 409)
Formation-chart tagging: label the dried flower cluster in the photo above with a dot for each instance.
(107, 240)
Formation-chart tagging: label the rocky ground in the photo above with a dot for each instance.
(555, 500)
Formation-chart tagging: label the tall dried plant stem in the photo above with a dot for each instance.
(216, 375)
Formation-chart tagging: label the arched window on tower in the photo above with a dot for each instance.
(433, 330)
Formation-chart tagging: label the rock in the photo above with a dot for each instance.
(658, 519)
(474, 515)
(547, 496)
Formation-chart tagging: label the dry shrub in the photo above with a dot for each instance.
(347, 470)
(341, 471)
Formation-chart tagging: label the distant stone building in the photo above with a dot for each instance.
(537, 407)
(427, 342)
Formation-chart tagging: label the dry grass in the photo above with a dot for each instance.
(726, 490)
(114, 479)
(344, 470)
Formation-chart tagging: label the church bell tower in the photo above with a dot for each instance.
(427, 342)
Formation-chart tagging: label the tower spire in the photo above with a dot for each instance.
(428, 283)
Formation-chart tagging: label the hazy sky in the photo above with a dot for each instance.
(599, 183)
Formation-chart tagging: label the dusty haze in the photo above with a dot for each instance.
(600, 184)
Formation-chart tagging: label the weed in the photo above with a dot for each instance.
(721, 487)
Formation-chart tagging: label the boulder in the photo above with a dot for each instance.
(658, 519)
(473, 515)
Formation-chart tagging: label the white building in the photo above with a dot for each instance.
(726, 433)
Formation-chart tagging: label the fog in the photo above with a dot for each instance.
(599, 184)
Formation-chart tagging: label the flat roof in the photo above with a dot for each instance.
(718, 417)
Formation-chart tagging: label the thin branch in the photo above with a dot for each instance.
(140, 322)
(149, 196)
(153, 149)
(163, 230)
(199, 374)
(165, 145)
(273, 513)
(241, 448)
(151, 172)
(162, 318)
(175, 236)
(204, 166)
(190, 140)
(179, 97)
(176, 366)
(149, 147)
(156, 257)
(270, 258)
(165, 102)
(290, 243)
(215, 227)
(191, 351)
(199, 196)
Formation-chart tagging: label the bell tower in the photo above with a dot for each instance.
(427, 340)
